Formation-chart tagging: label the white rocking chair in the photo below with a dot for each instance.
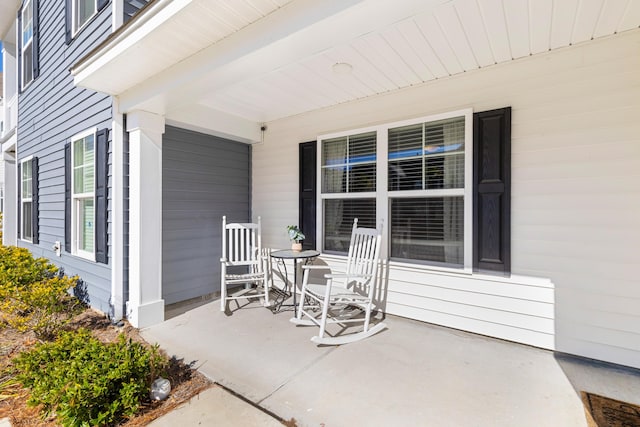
(242, 247)
(356, 291)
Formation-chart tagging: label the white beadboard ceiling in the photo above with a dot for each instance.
(261, 60)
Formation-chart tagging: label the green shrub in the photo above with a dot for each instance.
(34, 294)
(87, 382)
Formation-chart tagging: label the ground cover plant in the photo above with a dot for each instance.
(34, 294)
(86, 381)
(62, 363)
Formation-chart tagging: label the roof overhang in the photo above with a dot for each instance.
(8, 13)
(227, 68)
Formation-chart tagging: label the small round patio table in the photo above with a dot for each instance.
(281, 256)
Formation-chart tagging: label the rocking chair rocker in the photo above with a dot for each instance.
(355, 289)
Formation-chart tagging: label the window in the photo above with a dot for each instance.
(348, 165)
(27, 43)
(78, 13)
(86, 195)
(82, 195)
(414, 176)
(26, 203)
(427, 160)
(83, 10)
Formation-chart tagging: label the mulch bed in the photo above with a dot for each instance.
(186, 382)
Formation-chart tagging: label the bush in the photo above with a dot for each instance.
(34, 294)
(87, 382)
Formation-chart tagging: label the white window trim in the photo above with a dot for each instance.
(74, 13)
(382, 194)
(75, 226)
(24, 46)
(23, 199)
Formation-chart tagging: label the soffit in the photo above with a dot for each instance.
(168, 32)
(264, 60)
(8, 11)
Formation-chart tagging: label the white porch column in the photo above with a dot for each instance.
(117, 214)
(10, 214)
(145, 306)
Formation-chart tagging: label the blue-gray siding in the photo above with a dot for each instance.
(203, 178)
(131, 7)
(51, 110)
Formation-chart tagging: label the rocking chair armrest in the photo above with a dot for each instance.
(223, 260)
(345, 275)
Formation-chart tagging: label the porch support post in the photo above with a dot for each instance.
(117, 214)
(145, 306)
(10, 212)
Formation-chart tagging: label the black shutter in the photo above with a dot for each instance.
(67, 197)
(101, 4)
(19, 56)
(492, 191)
(68, 12)
(101, 196)
(19, 198)
(34, 201)
(35, 43)
(307, 188)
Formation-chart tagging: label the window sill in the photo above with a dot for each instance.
(453, 272)
(26, 86)
(85, 24)
(85, 255)
(409, 266)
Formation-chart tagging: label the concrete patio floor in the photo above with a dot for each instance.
(412, 374)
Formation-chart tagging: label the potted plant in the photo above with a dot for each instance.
(296, 237)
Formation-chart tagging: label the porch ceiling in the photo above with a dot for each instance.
(204, 63)
(8, 10)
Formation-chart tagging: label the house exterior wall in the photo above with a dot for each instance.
(203, 178)
(574, 209)
(51, 110)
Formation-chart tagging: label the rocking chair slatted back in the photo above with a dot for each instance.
(242, 247)
(241, 243)
(363, 256)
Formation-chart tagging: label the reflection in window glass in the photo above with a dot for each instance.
(26, 203)
(83, 168)
(428, 229)
(83, 161)
(85, 222)
(427, 156)
(27, 43)
(27, 23)
(338, 221)
(84, 9)
(349, 164)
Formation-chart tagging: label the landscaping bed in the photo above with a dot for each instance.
(62, 363)
(186, 382)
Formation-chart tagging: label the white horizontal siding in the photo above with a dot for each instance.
(575, 198)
